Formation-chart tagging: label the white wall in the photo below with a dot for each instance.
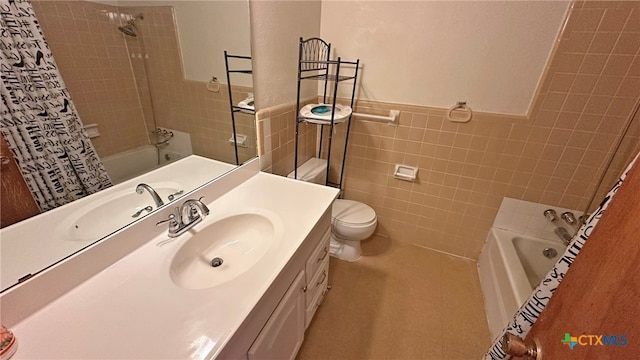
(276, 27)
(489, 53)
(205, 29)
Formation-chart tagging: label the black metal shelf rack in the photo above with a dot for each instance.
(234, 109)
(314, 63)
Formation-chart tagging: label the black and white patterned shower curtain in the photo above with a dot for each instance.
(39, 121)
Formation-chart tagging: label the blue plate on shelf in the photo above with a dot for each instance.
(320, 109)
(321, 113)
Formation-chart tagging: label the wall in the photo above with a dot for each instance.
(178, 103)
(489, 56)
(276, 127)
(551, 157)
(93, 59)
(590, 85)
(205, 31)
(276, 27)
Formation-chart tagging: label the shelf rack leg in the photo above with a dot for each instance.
(346, 140)
(335, 97)
(233, 118)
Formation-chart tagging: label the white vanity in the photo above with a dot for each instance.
(142, 294)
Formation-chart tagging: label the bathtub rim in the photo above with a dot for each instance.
(498, 308)
(517, 276)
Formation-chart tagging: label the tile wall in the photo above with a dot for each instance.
(130, 85)
(276, 128)
(94, 62)
(589, 90)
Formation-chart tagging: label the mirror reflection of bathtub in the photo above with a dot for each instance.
(131, 163)
(510, 266)
(36, 243)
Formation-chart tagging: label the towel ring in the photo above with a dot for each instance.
(213, 85)
(463, 106)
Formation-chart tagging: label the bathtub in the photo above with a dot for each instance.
(131, 163)
(510, 266)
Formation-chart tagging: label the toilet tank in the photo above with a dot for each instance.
(313, 170)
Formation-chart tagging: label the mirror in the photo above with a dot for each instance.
(141, 77)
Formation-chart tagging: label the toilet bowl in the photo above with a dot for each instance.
(351, 221)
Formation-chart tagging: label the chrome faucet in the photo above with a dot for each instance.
(563, 234)
(569, 218)
(551, 215)
(156, 198)
(186, 216)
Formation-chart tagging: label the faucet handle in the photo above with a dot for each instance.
(173, 196)
(205, 208)
(141, 209)
(551, 215)
(171, 219)
(569, 218)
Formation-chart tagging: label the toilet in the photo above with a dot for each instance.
(351, 221)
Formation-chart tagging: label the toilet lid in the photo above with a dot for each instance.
(352, 212)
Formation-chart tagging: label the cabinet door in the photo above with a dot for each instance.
(282, 335)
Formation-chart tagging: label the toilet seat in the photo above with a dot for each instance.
(352, 214)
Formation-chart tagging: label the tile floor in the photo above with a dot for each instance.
(399, 301)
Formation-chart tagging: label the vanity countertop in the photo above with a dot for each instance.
(133, 309)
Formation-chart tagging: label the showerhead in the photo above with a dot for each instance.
(130, 27)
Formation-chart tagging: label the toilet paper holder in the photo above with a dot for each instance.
(405, 172)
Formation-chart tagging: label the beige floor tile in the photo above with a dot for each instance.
(471, 335)
(399, 301)
(460, 282)
(400, 256)
(336, 333)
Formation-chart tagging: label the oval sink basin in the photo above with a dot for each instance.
(222, 251)
(106, 214)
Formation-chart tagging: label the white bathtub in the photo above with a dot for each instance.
(131, 163)
(510, 266)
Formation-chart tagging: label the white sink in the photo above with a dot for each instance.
(106, 214)
(224, 250)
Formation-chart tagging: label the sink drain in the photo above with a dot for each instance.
(216, 262)
(549, 253)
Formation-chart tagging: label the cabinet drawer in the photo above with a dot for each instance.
(318, 281)
(316, 297)
(319, 254)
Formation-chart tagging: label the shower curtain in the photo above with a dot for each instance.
(39, 121)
